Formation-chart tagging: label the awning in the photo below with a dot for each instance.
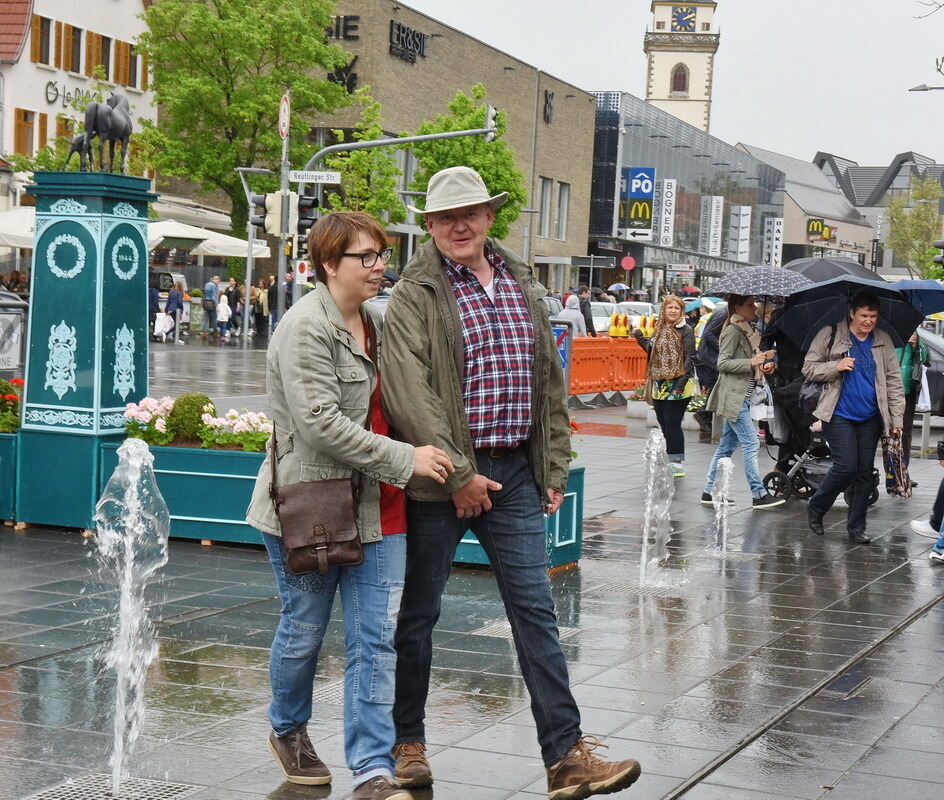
(17, 226)
(190, 213)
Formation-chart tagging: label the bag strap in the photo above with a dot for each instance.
(355, 485)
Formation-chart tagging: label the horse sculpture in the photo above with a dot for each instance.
(79, 145)
(110, 122)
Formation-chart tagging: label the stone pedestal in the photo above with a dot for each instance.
(88, 337)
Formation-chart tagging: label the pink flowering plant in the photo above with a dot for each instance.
(249, 430)
(148, 420)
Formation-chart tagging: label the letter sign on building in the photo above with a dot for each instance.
(638, 189)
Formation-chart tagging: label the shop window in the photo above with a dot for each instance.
(544, 217)
(23, 124)
(679, 79)
(65, 127)
(563, 208)
(41, 40)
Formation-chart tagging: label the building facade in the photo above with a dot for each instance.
(710, 218)
(680, 50)
(49, 50)
(414, 66)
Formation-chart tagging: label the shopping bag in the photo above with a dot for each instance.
(923, 402)
(897, 479)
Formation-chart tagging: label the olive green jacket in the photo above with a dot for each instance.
(319, 383)
(734, 373)
(423, 364)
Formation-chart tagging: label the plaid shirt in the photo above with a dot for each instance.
(498, 342)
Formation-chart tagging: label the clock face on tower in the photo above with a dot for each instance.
(683, 19)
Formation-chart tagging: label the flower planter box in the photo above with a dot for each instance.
(206, 491)
(564, 530)
(8, 446)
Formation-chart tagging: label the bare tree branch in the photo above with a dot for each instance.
(933, 7)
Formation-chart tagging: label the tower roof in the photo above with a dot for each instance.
(14, 25)
(681, 3)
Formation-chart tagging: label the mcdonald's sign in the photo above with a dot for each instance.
(814, 229)
(639, 191)
(640, 214)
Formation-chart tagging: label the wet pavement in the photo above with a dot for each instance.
(788, 666)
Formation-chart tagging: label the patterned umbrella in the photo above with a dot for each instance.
(764, 282)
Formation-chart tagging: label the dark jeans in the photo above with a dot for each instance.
(937, 512)
(512, 534)
(669, 413)
(852, 446)
(907, 425)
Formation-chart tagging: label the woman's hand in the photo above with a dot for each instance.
(431, 462)
(761, 356)
(846, 364)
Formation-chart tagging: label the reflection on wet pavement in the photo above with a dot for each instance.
(707, 681)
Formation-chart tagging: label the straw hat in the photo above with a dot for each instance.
(457, 187)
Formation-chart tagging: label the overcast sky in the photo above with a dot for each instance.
(793, 76)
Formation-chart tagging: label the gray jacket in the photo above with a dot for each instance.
(423, 364)
(820, 365)
(320, 384)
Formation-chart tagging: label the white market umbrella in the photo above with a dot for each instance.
(210, 243)
(169, 233)
(17, 226)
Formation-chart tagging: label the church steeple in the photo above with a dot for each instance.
(681, 47)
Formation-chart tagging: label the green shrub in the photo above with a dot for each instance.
(195, 292)
(186, 418)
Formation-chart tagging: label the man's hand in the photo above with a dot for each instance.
(472, 499)
(554, 500)
(846, 364)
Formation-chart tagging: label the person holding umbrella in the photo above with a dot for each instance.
(742, 366)
(862, 396)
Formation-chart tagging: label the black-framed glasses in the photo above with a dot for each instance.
(369, 259)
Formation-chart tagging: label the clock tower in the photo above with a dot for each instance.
(681, 49)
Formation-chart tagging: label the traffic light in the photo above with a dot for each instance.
(491, 123)
(292, 213)
(270, 220)
(306, 218)
(939, 245)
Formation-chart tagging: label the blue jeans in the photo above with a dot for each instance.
(744, 432)
(513, 537)
(852, 448)
(370, 598)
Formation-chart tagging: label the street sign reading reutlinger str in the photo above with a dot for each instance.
(313, 176)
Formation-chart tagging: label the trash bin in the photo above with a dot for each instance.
(13, 311)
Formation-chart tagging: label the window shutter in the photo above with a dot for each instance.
(89, 52)
(144, 72)
(66, 46)
(57, 60)
(121, 62)
(43, 120)
(36, 32)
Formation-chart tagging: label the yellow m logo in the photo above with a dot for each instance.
(640, 210)
(814, 226)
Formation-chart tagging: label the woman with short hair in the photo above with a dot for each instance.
(324, 395)
(862, 397)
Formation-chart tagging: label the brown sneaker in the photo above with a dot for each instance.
(380, 788)
(298, 758)
(412, 767)
(580, 773)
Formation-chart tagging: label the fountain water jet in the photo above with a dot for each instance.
(132, 524)
(719, 499)
(656, 525)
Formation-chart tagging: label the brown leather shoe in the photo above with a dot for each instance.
(580, 773)
(298, 759)
(413, 769)
(380, 788)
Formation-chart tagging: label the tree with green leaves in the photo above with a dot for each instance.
(914, 222)
(369, 176)
(219, 69)
(494, 161)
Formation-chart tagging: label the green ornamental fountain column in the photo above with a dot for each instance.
(88, 338)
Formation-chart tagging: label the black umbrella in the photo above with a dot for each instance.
(764, 282)
(827, 267)
(809, 310)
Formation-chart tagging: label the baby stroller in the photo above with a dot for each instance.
(809, 460)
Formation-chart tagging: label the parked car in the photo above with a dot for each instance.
(637, 309)
(380, 301)
(553, 305)
(601, 313)
(935, 345)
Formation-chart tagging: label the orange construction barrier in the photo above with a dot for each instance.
(606, 364)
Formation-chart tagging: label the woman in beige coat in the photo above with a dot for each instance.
(862, 398)
(324, 395)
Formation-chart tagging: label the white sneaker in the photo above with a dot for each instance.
(678, 469)
(923, 527)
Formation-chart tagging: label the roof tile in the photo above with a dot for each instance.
(14, 27)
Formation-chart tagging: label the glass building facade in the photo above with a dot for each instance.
(631, 133)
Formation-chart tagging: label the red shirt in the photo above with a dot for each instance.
(392, 498)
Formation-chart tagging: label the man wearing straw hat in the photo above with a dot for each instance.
(470, 365)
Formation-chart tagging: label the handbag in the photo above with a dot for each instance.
(318, 519)
(923, 403)
(812, 391)
(208, 304)
(897, 479)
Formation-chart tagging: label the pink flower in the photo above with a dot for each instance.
(161, 425)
